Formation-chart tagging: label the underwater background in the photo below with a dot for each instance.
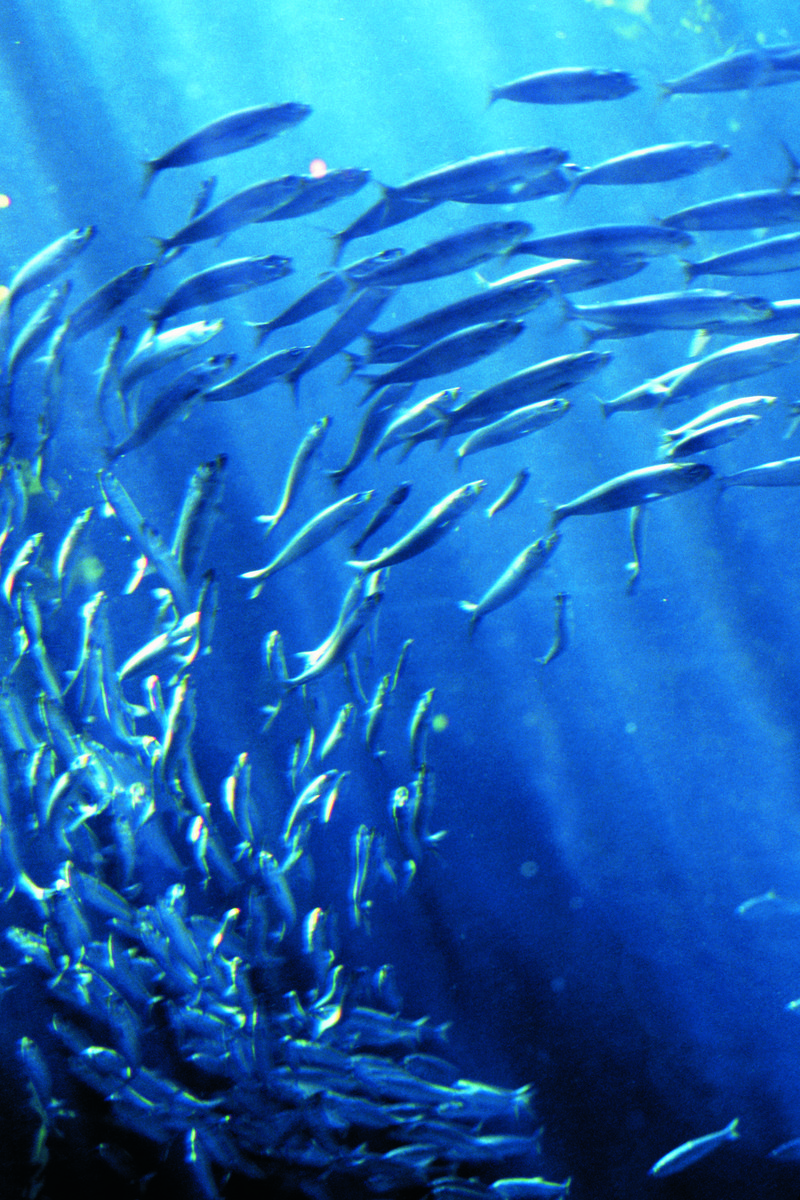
(611, 916)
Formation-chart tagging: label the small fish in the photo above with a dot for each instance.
(319, 529)
(783, 473)
(653, 164)
(429, 530)
(46, 266)
(635, 487)
(396, 497)
(221, 282)
(510, 494)
(228, 134)
(691, 1152)
(513, 580)
(762, 67)
(706, 437)
(243, 208)
(298, 469)
(567, 85)
(560, 636)
(519, 423)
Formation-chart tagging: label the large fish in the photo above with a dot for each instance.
(236, 131)
(513, 580)
(427, 532)
(653, 164)
(222, 281)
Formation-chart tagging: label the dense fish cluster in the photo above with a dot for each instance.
(170, 923)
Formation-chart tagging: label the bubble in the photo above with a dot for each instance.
(317, 168)
(440, 722)
(5, 201)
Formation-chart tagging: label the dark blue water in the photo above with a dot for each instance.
(605, 814)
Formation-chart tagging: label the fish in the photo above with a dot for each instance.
(576, 274)
(783, 473)
(538, 382)
(348, 325)
(652, 164)
(744, 210)
(298, 469)
(761, 67)
(560, 633)
(46, 266)
(319, 529)
(371, 430)
(449, 255)
(243, 208)
(519, 423)
(427, 532)
(199, 509)
(34, 334)
(258, 375)
(506, 497)
(220, 282)
(418, 729)
(635, 487)
(691, 1152)
(513, 580)
(781, 253)
(156, 350)
(317, 193)
(396, 497)
(416, 420)
(227, 135)
(739, 361)
(567, 85)
(447, 354)
(169, 404)
(730, 408)
(325, 294)
(706, 437)
(534, 1188)
(697, 309)
(505, 298)
(464, 178)
(339, 644)
(607, 241)
(96, 309)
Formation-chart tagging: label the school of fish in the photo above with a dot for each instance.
(191, 969)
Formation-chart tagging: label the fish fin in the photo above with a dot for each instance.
(355, 363)
(338, 476)
(793, 175)
(573, 187)
(150, 172)
(358, 565)
(689, 269)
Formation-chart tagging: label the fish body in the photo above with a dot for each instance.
(739, 361)
(319, 193)
(47, 265)
(339, 645)
(608, 241)
(635, 487)
(518, 483)
(576, 274)
(258, 375)
(314, 533)
(429, 530)
(706, 437)
(781, 253)
(457, 180)
(243, 208)
(298, 469)
(653, 164)
(325, 294)
(697, 309)
(691, 1152)
(154, 351)
(519, 423)
(720, 412)
(449, 255)
(222, 281)
(377, 417)
(228, 134)
(538, 382)
(514, 298)
(513, 580)
(396, 497)
(95, 309)
(783, 473)
(411, 422)
(169, 404)
(199, 509)
(347, 326)
(567, 85)
(448, 353)
(761, 67)
(745, 210)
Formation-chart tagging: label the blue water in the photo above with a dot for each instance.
(605, 814)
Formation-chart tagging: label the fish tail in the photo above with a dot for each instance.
(293, 379)
(354, 363)
(338, 476)
(150, 171)
(262, 330)
(690, 270)
(494, 94)
(794, 167)
(572, 189)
